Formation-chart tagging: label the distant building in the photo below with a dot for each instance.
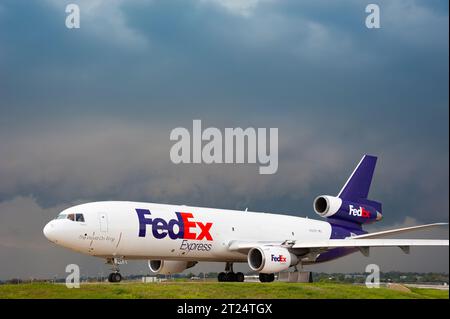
(149, 279)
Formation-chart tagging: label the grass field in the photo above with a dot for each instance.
(213, 290)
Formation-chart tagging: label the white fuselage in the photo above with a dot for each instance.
(114, 229)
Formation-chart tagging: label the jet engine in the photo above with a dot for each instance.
(270, 259)
(361, 211)
(168, 267)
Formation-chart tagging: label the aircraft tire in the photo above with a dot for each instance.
(240, 277)
(222, 277)
(262, 277)
(117, 277)
(231, 277)
(266, 277)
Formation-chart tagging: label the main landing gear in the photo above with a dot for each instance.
(229, 275)
(115, 276)
(266, 277)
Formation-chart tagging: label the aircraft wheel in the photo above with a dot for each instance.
(266, 277)
(222, 277)
(240, 277)
(231, 276)
(117, 277)
(114, 277)
(262, 277)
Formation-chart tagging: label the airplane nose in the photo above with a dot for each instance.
(49, 230)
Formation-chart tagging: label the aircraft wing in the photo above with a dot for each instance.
(364, 245)
(355, 243)
(399, 230)
(303, 247)
(335, 243)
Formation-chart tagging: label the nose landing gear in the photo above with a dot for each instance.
(115, 276)
(229, 275)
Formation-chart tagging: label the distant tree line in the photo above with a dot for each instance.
(392, 276)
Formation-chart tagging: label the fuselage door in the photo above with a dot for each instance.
(103, 219)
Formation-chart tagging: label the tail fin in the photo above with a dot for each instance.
(358, 184)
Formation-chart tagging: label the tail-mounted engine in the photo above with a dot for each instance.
(357, 212)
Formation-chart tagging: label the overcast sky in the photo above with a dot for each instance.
(86, 114)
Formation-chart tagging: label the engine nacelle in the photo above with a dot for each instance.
(268, 259)
(168, 267)
(361, 213)
(327, 206)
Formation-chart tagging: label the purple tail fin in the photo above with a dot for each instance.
(358, 184)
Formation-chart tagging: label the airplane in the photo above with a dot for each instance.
(174, 238)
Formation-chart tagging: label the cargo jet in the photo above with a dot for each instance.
(176, 237)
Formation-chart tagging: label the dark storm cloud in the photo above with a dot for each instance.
(281, 56)
(86, 114)
(91, 160)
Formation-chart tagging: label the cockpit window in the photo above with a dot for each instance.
(72, 217)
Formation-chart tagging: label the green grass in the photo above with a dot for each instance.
(213, 290)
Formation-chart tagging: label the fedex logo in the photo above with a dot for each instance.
(278, 259)
(359, 212)
(181, 228)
